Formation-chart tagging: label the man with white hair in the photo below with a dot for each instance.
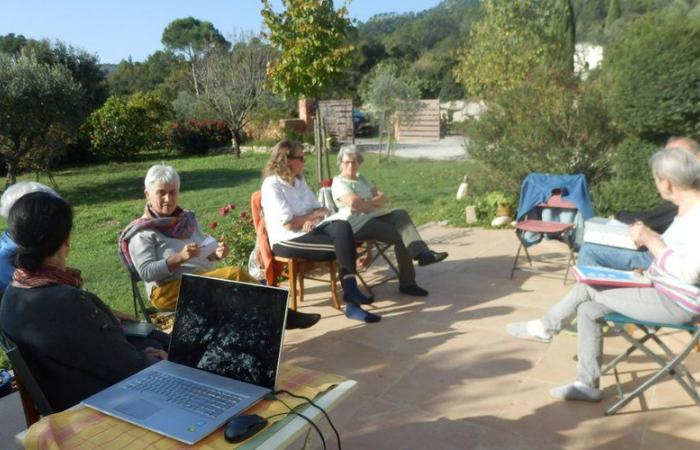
(8, 248)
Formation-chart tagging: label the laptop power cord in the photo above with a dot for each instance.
(274, 396)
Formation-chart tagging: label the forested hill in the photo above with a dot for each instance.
(423, 44)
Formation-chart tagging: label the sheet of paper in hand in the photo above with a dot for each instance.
(602, 276)
(207, 247)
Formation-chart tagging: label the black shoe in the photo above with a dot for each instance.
(430, 257)
(297, 320)
(413, 290)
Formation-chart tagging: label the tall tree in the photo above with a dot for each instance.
(311, 36)
(194, 38)
(512, 40)
(39, 106)
(233, 81)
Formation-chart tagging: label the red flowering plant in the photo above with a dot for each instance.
(238, 233)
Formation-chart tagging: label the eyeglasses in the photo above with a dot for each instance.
(300, 158)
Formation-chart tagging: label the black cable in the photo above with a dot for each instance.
(318, 430)
(330, 422)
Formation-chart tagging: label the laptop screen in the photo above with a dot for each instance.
(229, 328)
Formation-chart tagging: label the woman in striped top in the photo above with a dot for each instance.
(675, 273)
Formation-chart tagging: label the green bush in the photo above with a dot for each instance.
(631, 186)
(126, 126)
(549, 123)
(653, 76)
(196, 137)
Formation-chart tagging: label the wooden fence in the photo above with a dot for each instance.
(422, 124)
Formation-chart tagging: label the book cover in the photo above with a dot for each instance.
(602, 276)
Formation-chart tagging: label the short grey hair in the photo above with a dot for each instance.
(19, 190)
(677, 166)
(160, 173)
(352, 152)
(684, 143)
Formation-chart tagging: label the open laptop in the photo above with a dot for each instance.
(224, 356)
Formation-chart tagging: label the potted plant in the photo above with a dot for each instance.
(503, 202)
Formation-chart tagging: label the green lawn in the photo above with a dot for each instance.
(107, 197)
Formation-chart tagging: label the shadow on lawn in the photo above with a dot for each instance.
(131, 188)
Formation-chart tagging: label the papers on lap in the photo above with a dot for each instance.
(602, 276)
(611, 232)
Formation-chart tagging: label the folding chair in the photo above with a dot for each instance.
(140, 305)
(557, 230)
(325, 197)
(672, 365)
(34, 402)
(297, 268)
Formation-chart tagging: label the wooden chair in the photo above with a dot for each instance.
(34, 402)
(557, 230)
(670, 365)
(297, 268)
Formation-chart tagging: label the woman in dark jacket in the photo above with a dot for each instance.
(72, 342)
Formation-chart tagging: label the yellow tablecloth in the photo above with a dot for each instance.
(87, 428)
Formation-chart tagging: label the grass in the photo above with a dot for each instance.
(107, 197)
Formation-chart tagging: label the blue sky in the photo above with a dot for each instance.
(117, 29)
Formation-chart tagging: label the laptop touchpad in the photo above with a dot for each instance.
(139, 409)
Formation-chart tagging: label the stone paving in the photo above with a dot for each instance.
(441, 373)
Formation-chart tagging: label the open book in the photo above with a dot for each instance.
(602, 276)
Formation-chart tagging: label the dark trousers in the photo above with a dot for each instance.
(398, 229)
(331, 240)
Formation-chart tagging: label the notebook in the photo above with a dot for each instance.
(224, 357)
(602, 276)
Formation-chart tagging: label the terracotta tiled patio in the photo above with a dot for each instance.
(441, 373)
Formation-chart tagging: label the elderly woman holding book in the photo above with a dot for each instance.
(674, 296)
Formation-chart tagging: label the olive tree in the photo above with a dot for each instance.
(40, 109)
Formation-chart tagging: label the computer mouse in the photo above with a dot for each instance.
(241, 428)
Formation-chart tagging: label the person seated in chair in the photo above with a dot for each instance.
(296, 229)
(363, 205)
(71, 341)
(675, 273)
(165, 242)
(8, 248)
(657, 219)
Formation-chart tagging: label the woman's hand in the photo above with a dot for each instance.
(379, 200)
(155, 353)
(310, 224)
(221, 250)
(188, 252)
(643, 236)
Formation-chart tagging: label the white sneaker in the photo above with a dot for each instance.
(532, 330)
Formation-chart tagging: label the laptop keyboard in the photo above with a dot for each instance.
(192, 397)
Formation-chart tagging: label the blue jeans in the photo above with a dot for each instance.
(613, 257)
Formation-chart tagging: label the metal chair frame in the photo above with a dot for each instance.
(546, 227)
(34, 402)
(671, 366)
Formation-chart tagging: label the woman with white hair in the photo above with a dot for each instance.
(363, 205)
(8, 247)
(674, 272)
(166, 242)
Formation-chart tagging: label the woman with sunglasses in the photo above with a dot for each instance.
(296, 228)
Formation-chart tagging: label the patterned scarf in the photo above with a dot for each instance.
(180, 225)
(47, 276)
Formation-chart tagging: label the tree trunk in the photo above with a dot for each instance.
(11, 177)
(194, 79)
(236, 143)
(317, 142)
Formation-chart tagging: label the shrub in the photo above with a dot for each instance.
(237, 232)
(196, 137)
(632, 184)
(549, 123)
(653, 71)
(125, 126)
